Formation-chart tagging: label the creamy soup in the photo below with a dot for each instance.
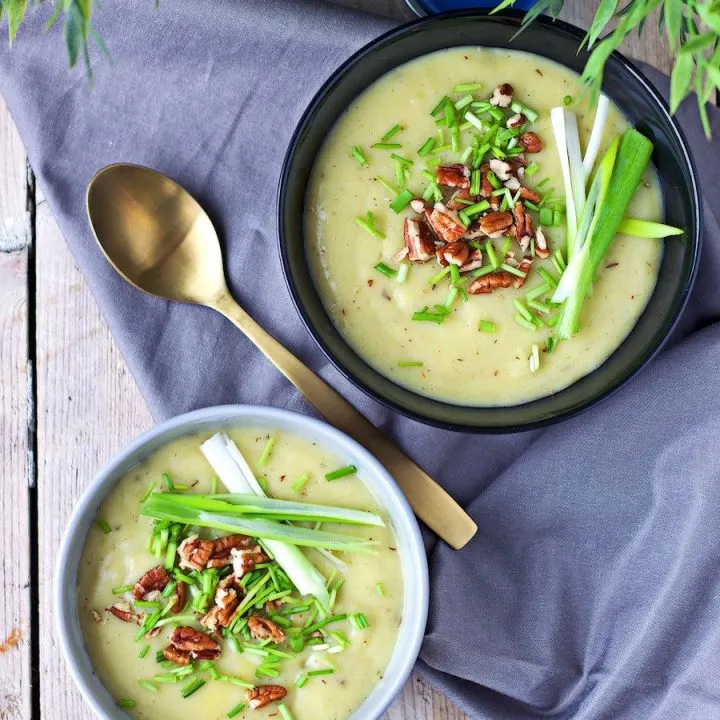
(455, 361)
(372, 587)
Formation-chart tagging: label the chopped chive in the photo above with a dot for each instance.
(386, 146)
(388, 186)
(464, 218)
(403, 271)
(450, 115)
(125, 703)
(440, 149)
(482, 271)
(487, 326)
(531, 169)
(495, 113)
(546, 216)
(557, 217)
(467, 88)
(300, 483)
(168, 482)
(467, 152)
(262, 481)
(476, 209)
(474, 120)
(426, 147)
(236, 710)
(284, 711)
(437, 278)
(440, 106)
(359, 155)
(236, 681)
(301, 680)
(528, 112)
(548, 277)
(538, 291)
(534, 359)
(475, 182)
(122, 589)
(561, 260)
(103, 524)
(550, 344)
(492, 257)
(532, 206)
(556, 265)
(480, 154)
(454, 274)
(441, 309)
(505, 247)
(520, 320)
(341, 472)
(568, 100)
(512, 270)
(147, 604)
(147, 685)
(429, 192)
(144, 650)
(371, 229)
(463, 102)
(410, 363)
(401, 201)
(400, 173)
(324, 671)
(148, 492)
(385, 270)
(401, 159)
(192, 687)
(380, 588)
(465, 126)
(267, 450)
(359, 621)
(455, 139)
(451, 296)
(394, 130)
(541, 306)
(522, 309)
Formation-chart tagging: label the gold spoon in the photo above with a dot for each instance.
(156, 235)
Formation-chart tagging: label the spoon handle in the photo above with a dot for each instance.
(429, 501)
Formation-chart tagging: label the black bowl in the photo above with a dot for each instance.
(624, 84)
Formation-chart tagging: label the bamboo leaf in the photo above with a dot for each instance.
(534, 12)
(680, 80)
(702, 107)
(502, 6)
(15, 14)
(556, 7)
(709, 17)
(699, 43)
(54, 16)
(73, 34)
(603, 15)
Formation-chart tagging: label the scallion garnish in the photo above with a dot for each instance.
(522, 309)
(478, 208)
(236, 710)
(122, 589)
(103, 524)
(359, 621)
(475, 182)
(341, 472)
(386, 146)
(567, 100)
(380, 588)
(168, 482)
(394, 130)
(463, 102)
(284, 711)
(192, 687)
(401, 201)
(528, 112)
(474, 120)
(359, 156)
(550, 344)
(437, 278)
(512, 270)
(546, 216)
(300, 483)
(440, 106)
(647, 229)
(125, 703)
(467, 88)
(534, 360)
(381, 267)
(425, 316)
(487, 326)
(146, 494)
(368, 228)
(426, 147)
(403, 271)
(323, 671)
(267, 450)
(492, 257)
(528, 324)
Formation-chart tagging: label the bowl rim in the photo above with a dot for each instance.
(651, 351)
(414, 560)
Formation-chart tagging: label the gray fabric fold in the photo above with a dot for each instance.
(593, 587)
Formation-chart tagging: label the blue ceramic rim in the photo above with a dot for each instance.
(378, 480)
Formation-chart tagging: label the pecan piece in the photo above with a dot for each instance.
(486, 187)
(263, 629)
(245, 559)
(488, 283)
(418, 240)
(512, 184)
(123, 611)
(222, 546)
(181, 593)
(530, 142)
(502, 169)
(524, 267)
(520, 223)
(227, 598)
(418, 205)
(503, 95)
(456, 253)
(496, 222)
(155, 579)
(176, 656)
(445, 225)
(263, 695)
(195, 553)
(473, 262)
(453, 176)
(516, 121)
(462, 194)
(541, 246)
(531, 195)
(192, 641)
(401, 254)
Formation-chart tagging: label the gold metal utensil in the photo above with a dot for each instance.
(156, 235)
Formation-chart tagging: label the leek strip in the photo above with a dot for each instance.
(647, 229)
(591, 152)
(238, 477)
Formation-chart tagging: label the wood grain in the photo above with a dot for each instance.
(14, 456)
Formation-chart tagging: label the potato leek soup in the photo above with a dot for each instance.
(280, 600)
(468, 226)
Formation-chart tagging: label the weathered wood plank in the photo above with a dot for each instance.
(14, 468)
(88, 408)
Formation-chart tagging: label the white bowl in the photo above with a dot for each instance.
(409, 543)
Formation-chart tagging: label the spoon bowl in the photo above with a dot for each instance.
(158, 237)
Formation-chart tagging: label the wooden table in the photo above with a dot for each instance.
(69, 403)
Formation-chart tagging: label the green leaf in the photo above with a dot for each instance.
(501, 6)
(534, 12)
(556, 7)
(73, 34)
(101, 44)
(699, 43)
(15, 13)
(54, 16)
(603, 15)
(713, 74)
(680, 80)
(702, 105)
(710, 17)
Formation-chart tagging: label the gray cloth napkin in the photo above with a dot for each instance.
(593, 587)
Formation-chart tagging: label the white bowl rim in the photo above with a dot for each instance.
(410, 544)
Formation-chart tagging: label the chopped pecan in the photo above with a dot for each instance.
(401, 254)
(96, 616)
(503, 95)
(531, 195)
(418, 240)
(530, 142)
(496, 222)
(541, 246)
(445, 225)
(245, 559)
(488, 283)
(474, 231)
(486, 188)
(155, 579)
(520, 221)
(227, 598)
(181, 593)
(263, 629)
(524, 267)
(462, 194)
(192, 641)
(516, 121)
(154, 632)
(195, 553)
(418, 205)
(456, 253)
(453, 176)
(123, 611)
(271, 606)
(222, 546)
(512, 184)
(262, 695)
(502, 169)
(495, 202)
(473, 262)
(179, 657)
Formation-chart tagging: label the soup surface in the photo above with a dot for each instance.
(372, 586)
(454, 361)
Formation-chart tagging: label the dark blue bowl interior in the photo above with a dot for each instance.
(632, 93)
